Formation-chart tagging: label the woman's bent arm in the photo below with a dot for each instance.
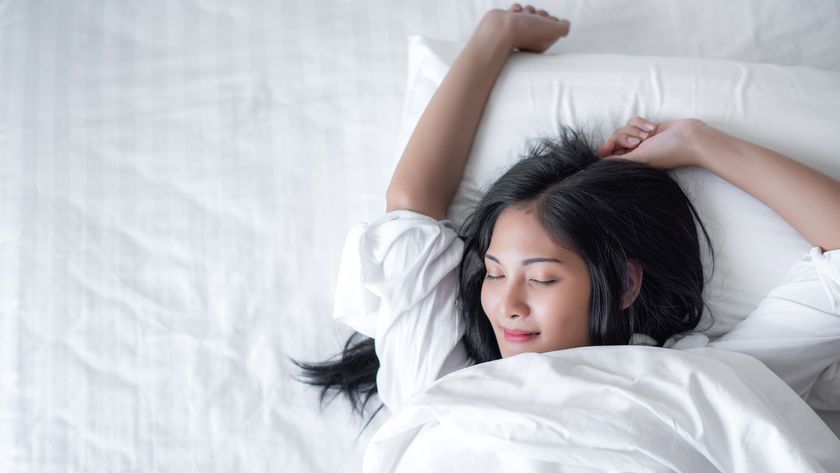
(433, 162)
(806, 198)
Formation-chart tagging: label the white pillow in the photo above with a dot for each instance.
(793, 110)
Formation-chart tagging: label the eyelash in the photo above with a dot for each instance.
(539, 283)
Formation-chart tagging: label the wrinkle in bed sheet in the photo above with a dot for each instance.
(176, 181)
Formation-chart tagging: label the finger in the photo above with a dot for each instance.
(628, 141)
(542, 13)
(607, 148)
(516, 7)
(530, 9)
(643, 124)
(565, 26)
(625, 153)
(636, 131)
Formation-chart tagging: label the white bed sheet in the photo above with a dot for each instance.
(176, 181)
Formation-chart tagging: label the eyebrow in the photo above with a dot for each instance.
(527, 261)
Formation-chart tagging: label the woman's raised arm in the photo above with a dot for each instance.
(432, 164)
(806, 198)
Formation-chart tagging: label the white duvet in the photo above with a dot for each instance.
(617, 408)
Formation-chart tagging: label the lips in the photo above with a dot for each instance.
(519, 336)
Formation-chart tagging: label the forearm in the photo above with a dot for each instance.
(433, 161)
(804, 197)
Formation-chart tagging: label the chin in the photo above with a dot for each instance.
(514, 351)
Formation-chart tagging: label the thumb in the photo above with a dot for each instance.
(607, 148)
(630, 155)
(638, 155)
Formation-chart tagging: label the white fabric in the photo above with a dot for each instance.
(176, 182)
(405, 266)
(397, 283)
(795, 330)
(607, 409)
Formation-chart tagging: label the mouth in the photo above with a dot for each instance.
(519, 336)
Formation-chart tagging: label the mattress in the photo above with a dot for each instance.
(176, 182)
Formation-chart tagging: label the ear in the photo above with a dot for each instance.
(634, 273)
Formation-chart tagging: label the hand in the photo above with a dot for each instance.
(528, 29)
(665, 145)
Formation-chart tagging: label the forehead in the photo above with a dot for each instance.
(518, 230)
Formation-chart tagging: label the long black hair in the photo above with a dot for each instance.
(609, 212)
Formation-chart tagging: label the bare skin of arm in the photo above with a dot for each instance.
(432, 165)
(807, 199)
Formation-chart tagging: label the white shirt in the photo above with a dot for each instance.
(398, 283)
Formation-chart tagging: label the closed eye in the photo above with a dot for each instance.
(535, 281)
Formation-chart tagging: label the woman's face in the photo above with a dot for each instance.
(536, 293)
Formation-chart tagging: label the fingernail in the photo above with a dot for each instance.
(644, 135)
(633, 140)
(648, 126)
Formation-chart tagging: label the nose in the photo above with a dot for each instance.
(513, 303)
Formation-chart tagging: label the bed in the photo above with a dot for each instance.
(177, 182)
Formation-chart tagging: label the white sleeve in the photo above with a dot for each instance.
(397, 283)
(795, 330)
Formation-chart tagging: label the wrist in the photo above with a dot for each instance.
(496, 28)
(707, 143)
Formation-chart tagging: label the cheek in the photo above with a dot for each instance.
(560, 308)
(489, 299)
(549, 309)
(485, 293)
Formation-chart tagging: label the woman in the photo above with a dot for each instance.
(569, 248)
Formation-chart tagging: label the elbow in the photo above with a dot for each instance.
(401, 201)
(392, 197)
(396, 201)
